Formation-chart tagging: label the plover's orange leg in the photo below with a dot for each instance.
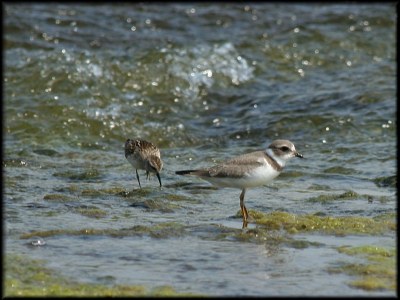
(244, 225)
(242, 206)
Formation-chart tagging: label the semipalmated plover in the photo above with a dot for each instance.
(144, 155)
(248, 170)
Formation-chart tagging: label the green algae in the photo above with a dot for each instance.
(389, 181)
(302, 244)
(57, 198)
(50, 213)
(165, 203)
(155, 204)
(56, 232)
(292, 223)
(135, 193)
(175, 197)
(91, 212)
(14, 163)
(373, 283)
(340, 170)
(100, 192)
(89, 174)
(379, 273)
(272, 240)
(386, 217)
(73, 188)
(253, 235)
(161, 230)
(46, 152)
(319, 187)
(371, 252)
(348, 195)
(25, 277)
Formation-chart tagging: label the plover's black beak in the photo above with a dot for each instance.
(297, 154)
(159, 178)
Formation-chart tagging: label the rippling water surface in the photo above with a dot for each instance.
(204, 82)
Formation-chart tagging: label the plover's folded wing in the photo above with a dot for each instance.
(232, 170)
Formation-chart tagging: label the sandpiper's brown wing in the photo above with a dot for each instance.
(142, 148)
(147, 148)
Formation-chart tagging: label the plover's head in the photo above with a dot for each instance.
(282, 151)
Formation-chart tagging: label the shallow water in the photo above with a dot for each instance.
(204, 82)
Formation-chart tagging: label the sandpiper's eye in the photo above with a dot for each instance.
(285, 149)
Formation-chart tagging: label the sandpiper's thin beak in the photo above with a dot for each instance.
(159, 178)
(297, 154)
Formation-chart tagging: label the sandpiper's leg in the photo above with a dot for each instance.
(147, 175)
(137, 176)
(159, 178)
(243, 207)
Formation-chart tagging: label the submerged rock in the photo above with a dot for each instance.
(390, 181)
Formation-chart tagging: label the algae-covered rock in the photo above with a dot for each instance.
(390, 181)
(89, 174)
(57, 198)
(26, 278)
(46, 152)
(293, 223)
(348, 195)
(378, 273)
(161, 230)
(91, 212)
(100, 192)
(155, 204)
(340, 170)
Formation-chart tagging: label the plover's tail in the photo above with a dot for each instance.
(185, 172)
(193, 172)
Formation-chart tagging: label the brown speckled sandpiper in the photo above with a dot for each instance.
(144, 155)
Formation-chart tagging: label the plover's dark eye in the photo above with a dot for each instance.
(285, 149)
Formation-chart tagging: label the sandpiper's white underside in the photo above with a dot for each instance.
(136, 162)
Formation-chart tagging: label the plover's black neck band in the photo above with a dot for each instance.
(273, 162)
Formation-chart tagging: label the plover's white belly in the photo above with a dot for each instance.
(256, 177)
